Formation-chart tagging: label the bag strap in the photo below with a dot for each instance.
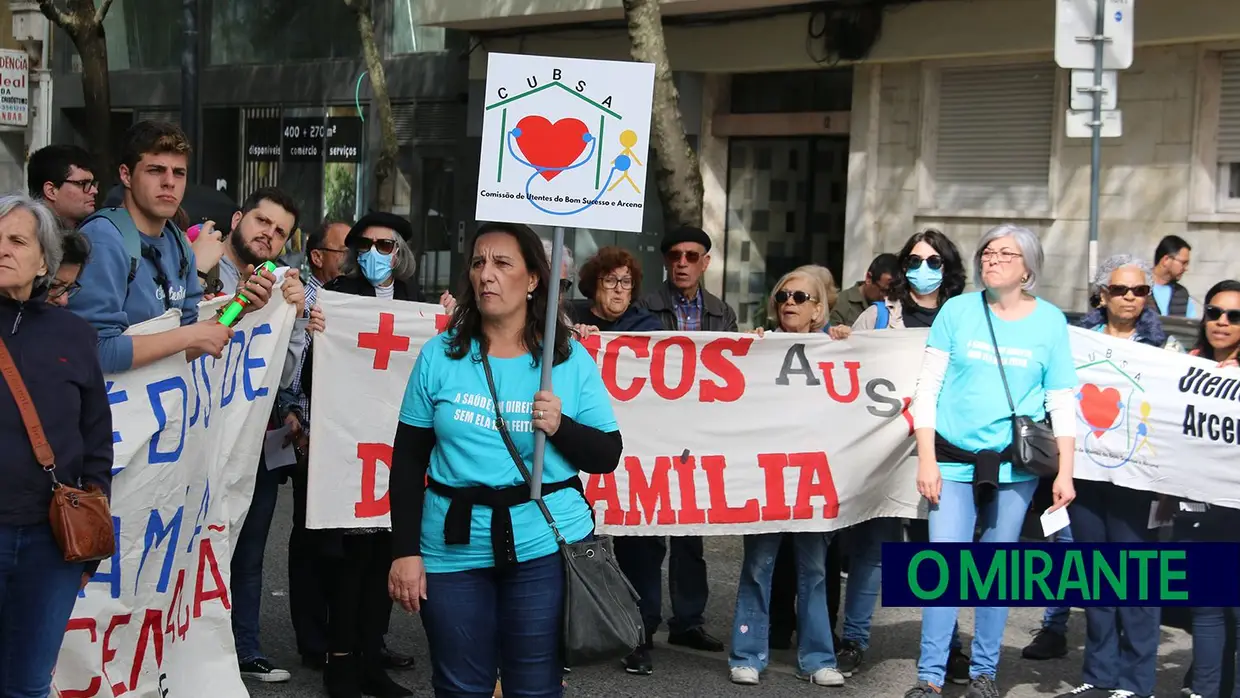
(998, 359)
(502, 427)
(30, 416)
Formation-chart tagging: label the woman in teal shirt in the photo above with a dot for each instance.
(961, 401)
(472, 553)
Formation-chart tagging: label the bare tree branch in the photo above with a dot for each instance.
(55, 14)
(385, 165)
(102, 11)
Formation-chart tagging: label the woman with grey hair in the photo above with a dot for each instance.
(1120, 304)
(379, 262)
(964, 428)
(54, 353)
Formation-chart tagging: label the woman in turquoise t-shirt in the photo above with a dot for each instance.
(961, 401)
(472, 553)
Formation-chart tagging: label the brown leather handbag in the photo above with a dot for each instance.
(81, 519)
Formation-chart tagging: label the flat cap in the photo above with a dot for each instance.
(381, 219)
(685, 234)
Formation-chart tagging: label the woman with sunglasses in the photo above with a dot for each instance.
(1218, 340)
(799, 304)
(1121, 643)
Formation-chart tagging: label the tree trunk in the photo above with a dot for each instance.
(385, 165)
(678, 178)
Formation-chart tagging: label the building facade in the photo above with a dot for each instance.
(831, 133)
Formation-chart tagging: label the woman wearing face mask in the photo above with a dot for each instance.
(380, 262)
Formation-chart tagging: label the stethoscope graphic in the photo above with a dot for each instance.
(621, 164)
(1135, 444)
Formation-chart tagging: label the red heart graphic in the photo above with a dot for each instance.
(551, 145)
(1099, 407)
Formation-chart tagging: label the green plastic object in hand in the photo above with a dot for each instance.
(233, 310)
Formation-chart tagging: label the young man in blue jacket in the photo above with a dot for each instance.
(141, 264)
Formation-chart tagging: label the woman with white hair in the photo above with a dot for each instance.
(965, 409)
(54, 352)
(1121, 306)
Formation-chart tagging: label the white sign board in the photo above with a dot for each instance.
(14, 88)
(1079, 124)
(565, 141)
(1082, 85)
(1076, 22)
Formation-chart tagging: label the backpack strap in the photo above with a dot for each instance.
(884, 315)
(132, 238)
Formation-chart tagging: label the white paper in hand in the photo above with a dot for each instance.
(275, 453)
(1054, 521)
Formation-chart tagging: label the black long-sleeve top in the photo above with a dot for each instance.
(588, 449)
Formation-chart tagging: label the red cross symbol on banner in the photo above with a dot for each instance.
(383, 342)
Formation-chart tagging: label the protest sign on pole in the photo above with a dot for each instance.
(155, 620)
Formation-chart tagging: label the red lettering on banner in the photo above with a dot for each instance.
(369, 506)
(109, 653)
(640, 346)
(688, 367)
(150, 631)
(592, 344)
(816, 481)
(441, 322)
(175, 610)
(603, 488)
(713, 359)
(776, 507)
(690, 512)
(384, 342)
(92, 689)
(908, 414)
(720, 511)
(854, 388)
(206, 560)
(651, 494)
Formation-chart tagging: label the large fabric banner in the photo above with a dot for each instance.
(155, 620)
(730, 434)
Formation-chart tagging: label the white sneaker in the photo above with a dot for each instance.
(826, 676)
(745, 675)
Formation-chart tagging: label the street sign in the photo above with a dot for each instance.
(1075, 22)
(1078, 124)
(1082, 90)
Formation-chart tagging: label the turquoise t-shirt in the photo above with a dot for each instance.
(452, 397)
(973, 412)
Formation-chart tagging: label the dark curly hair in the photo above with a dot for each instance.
(953, 267)
(466, 322)
(604, 261)
(1203, 343)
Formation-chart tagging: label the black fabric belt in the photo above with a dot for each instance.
(985, 465)
(457, 524)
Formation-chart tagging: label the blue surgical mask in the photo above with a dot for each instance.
(377, 267)
(923, 279)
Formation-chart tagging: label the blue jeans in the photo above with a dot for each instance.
(865, 574)
(953, 520)
(246, 583)
(641, 560)
(484, 623)
(752, 625)
(1209, 641)
(37, 592)
(1056, 619)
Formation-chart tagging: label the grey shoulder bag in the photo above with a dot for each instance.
(1034, 448)
(601, 620)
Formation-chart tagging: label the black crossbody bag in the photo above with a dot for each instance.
(601, 619)
(1034, 448)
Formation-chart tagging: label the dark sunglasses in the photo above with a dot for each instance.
(385, 246)
(1120, 290)
(1213, 313)
(934, 261)
(798, 297)
(674, 256)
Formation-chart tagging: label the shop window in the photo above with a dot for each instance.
(407, 35)
(280, 31)
(143, 35)
(792, 91)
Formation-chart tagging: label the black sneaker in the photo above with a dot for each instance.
(265, 671)
(849, 657)
(1086, 690)
(923, 689)
(639, 662)
(697, 639)
(1046, 644)
(982, 687)
(958, 667)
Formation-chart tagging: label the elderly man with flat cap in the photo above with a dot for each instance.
(681, 304)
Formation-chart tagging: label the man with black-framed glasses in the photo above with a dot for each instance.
(62, 176)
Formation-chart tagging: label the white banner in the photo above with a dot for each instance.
(155, 620)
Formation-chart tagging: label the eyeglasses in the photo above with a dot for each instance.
(86, 185)
(330, 249)
(611, 282)
(1120, 290)
(798, 297)
(1214, 313)
(1001, 256)
(934, 261)
(690, 256)
(59, 289)
(385, 246)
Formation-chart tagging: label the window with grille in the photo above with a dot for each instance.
(1229, 132)
(994, 130)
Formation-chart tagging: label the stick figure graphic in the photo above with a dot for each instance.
(628, 139)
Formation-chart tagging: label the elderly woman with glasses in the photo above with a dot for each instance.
(964, 428)
(610, 280)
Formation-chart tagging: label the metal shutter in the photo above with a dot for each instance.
(168, 115)
(429, 121)
(994, 138)
(1229, 109)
